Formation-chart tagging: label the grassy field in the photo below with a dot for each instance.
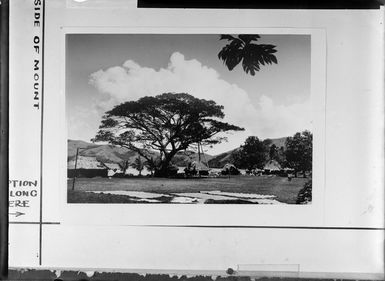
(284, 190)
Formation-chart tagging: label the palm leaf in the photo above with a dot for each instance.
(255, 55)
(247, 38)
(250, 54)
(226, 37)
(230, 57)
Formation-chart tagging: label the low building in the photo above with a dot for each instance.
(86, 167)
(113, 169)
(130, 171)
(230, 169)
(272, 167)
(197, 168)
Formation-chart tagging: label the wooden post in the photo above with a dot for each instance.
(76, 162)
(199, 152)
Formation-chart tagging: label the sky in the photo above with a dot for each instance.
(104, 70)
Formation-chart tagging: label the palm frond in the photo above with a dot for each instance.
(231, 54)
(226, 37)
(251, 55)
(247, 38)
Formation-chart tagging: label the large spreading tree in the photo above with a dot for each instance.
(167, 123)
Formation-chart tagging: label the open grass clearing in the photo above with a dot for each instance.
(284, 191)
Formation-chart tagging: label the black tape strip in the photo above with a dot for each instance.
(263, 4)
(4, 125)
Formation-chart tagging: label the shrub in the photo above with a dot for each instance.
(232, 170)
(305, 194)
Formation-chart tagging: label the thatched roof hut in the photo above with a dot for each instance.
(113, 169)
(113, 166)
(134, 172)
(228, 166)
(230, 169)
(86, 167)
(86, 162)
(196, 168)
(199, 166)
(272, 166)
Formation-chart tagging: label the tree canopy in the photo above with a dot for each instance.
(166, 123)
(299, 151)
(252, 154)
(243, 49)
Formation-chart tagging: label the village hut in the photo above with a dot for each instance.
(197, 168)
(86, 167)
(254, 172)
(272, 167)
(201, 168)
(243, 172)
(181, 170)
(288, 170)
(130, 171)
(230, 169)
(215, 172)
(258, 172)
(113, 169)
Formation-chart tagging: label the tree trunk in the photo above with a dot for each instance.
(163, 170)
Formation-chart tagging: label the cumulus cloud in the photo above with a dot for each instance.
(280, 120)
(265, 119)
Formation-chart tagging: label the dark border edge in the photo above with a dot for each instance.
(4, 130)
(262, 4)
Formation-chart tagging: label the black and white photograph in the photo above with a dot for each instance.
(189, 118)
(194, 143)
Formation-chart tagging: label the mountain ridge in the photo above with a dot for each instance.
(225, 157)
(107, 153)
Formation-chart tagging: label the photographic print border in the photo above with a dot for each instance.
(143, 214)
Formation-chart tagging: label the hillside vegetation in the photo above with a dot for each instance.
(114, 154)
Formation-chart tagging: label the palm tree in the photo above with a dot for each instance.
(138, 165)
(244, 49)
(151, 166)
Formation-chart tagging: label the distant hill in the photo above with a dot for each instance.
(114, 154)
(280, 142)
(74, 144)
(220, 160)
(183, 158)
(104, 153)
